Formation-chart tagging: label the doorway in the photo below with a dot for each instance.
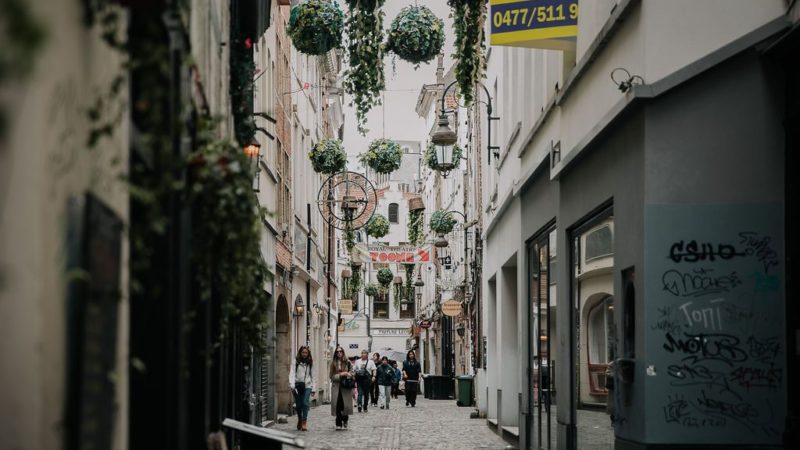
(542, 368)
(594, 340)
(283, 356)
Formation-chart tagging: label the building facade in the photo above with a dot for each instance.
(633, 159)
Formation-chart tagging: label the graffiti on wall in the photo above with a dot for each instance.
(715, 322)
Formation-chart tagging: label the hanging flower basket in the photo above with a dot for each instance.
(382, 156)
(442, 222)
(378, 226)
(328, 157)
(416, 35)
(371, 290)
(432, 158)
(385, 277)
(316, 26)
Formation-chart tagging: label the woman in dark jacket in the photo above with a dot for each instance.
(411, 371)
(341, 397)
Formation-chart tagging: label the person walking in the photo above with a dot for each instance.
(411, 371)
(385, 379)
(301, 382)
(398, 375)
(342, 384)
(376, 359)
(364, 369)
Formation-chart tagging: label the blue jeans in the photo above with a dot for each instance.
(302, 402)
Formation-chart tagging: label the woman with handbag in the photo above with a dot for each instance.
(342, 384)
(301, 382)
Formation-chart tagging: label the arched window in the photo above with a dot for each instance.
(393, 212)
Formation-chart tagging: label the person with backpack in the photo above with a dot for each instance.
(342, 384)
(301, 382)
(411, 371)
(385, 378)
(364, 369)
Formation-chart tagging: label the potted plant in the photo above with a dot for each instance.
(385, 277)
(382, 156)
(469, 17)
(442, 222)
(371, 290)
(328, 156)
(378, 226)
(431, 158)
(316, 26)
(364, 78)
(416, 35)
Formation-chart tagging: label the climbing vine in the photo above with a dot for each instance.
(364, 79)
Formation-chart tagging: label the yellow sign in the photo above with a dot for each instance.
(547, 24)
(451, 308)
(346, 306)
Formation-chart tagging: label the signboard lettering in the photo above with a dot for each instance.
(549, 24)
(400, 254)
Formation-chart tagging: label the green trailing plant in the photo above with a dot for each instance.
(328, 156)
(416, 35)
(398, 294)
(409, 286)
(432, 160)
(468, 20)
(349, 236)
(226, 236)
(377, 226)
(385, 277)
(316, 26)
(364, 78)
(356, 283)
(372, 290)
(415, 221)
(442, 222)
(23, 37)
(382, 156)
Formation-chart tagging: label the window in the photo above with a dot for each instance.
(600, 336)
(599, 243)
(381, 306)
(393, 212)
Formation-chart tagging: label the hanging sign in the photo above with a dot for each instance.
(402, 254)
(451, 308)
(425, 324)
(346, 306)
(547, 24)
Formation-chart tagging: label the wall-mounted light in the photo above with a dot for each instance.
(299, 307)
(444, 138)
(253, 148)
(460, 330)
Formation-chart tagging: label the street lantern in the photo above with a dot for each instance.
(253, 148)
(444, 138)
(419, 282)
(299, 307)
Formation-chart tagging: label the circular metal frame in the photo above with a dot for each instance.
(347, 197)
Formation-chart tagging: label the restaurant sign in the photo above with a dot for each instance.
(547, 24)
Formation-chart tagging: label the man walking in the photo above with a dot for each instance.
(365, 370)
(411, 371)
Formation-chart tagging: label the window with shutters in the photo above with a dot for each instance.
(393, 212)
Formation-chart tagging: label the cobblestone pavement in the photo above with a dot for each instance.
(432, 424)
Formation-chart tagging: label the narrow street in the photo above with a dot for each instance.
(432, 424)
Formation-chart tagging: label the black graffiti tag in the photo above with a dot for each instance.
(698, 282)
(693, 251)
(760, 247)
(718, 347)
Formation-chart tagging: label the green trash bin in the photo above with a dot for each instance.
(464, 390)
